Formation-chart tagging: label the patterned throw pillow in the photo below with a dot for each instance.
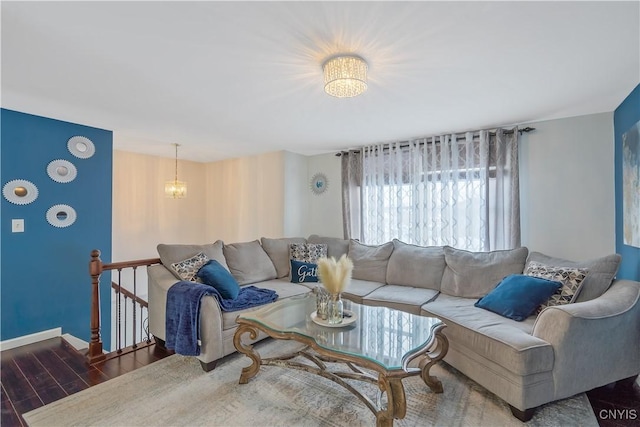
(570, 277)
(188, 268)
(304, 261)
(307, 252)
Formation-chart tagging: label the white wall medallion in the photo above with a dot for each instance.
(20, 191)
(62, 171)
(81, 147)
(61, 216)
(319, 183)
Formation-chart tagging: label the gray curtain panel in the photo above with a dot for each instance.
(352, 194)
(504, 221)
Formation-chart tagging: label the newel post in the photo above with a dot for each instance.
(95, 353)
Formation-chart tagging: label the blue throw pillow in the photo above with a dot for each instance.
(303, 272)
(214, 274)
(518, 296)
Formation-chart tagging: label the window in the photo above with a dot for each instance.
(457, 191)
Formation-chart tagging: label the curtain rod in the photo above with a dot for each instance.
(525, 129)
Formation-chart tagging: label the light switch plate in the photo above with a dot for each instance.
(17, 225)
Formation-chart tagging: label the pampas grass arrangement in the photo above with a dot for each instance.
(335, 275)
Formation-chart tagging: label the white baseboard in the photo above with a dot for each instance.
(30, 339)
(77, 343)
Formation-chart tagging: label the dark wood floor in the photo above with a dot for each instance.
(36, 374)
(40, 373)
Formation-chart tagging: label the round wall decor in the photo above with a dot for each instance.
(20, 191)
(81, 147)
(61, 216)
(62, 171)
(319, 183)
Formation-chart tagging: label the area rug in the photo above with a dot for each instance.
(175, 391)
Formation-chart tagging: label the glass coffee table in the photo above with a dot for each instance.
(381, 340)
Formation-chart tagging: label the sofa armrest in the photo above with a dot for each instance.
(160, 280)
(595, 342)
(211, 337)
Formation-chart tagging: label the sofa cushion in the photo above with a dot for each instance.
(173, 253)
(304, 272)
(278, 251)
(187, 269)
(417, 266)
(475, 274)
(249, 263)
(370, 262)
(504, 341)
(307, 252)
(601, 272)
(335, 247)
(215, 275)
(358, 289)
(518, 296)
(571, 279)
(403, 298)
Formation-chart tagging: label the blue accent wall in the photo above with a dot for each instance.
(44, 276)
(624, 117)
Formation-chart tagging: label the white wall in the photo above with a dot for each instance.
(325, 210)
(244, 198)
(234, 200)
(567, 187)
(296, 195)
(143, 216)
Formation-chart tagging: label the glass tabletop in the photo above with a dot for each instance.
(379, 334)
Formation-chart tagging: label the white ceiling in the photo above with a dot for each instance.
(230, 79)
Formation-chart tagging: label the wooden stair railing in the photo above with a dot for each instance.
(95, 353)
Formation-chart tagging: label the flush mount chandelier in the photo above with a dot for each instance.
(175, 189)
(345, 76)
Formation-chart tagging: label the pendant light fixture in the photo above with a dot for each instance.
(345, 76)
(175, 189)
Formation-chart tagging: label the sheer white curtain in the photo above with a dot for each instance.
(457, 190)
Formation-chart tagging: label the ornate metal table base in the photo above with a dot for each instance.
(388, 382)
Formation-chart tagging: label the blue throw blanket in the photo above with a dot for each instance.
(183, 311)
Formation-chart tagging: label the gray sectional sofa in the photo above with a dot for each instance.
(562, 351)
